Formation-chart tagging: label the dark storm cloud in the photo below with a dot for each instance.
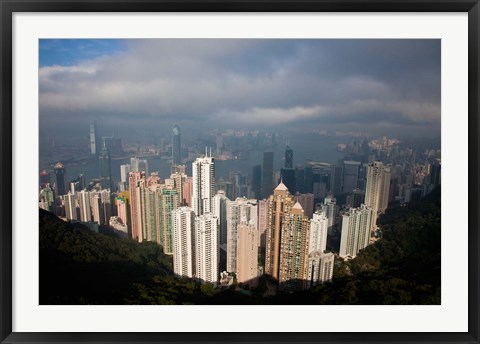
(253, 83)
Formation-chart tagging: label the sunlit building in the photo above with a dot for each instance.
(136, 221)
(207, 250)
(377, 189)
(279, 205)
(203, 171)
(294, 249)
(183, 226)
(240, 210)
(318, 232)
(356, 224)
(247, 252)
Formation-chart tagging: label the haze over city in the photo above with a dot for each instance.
(140, 86)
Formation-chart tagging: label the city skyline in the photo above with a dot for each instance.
(265, 163)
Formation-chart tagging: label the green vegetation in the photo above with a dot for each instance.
(78, 266)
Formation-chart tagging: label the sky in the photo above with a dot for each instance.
(382, 87)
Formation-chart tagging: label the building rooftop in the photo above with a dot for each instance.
(297, 206)
(297, 209)
(281, 187)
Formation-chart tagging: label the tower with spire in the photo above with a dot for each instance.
(279, 204)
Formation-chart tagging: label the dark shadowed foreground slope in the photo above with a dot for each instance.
(78, 266)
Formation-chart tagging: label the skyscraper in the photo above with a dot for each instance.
(123, 209)
(143, 166)
(350, 175)
(176, 146)
(46, 199)
(320, 268)
(240, 210)
(83, 198)
(356, 224)
(169, 201)
(318, 232)
(267, 176)
(124, 173)
(262, 221)
(70, 206)
(183, 241)
(288, 158)
(135, 210)
(60, 179)
(44, 179)
(279, 204)
(134, 164)
(203, 170)
(330, 207)
(220, 211)
(187, 191)
(287, 176)
(207, 250)
(358, 198)
(97, 211)
(241, 185)
(300, 180)
(307, 201)
(377, 189)
(150, 207)
(337, 179)
(177, 181)
(105, 169)
(294, 249)
(219, 144)
(93, 138)
(257, 181)
(308, 180)
(247, 252)
(385, 193)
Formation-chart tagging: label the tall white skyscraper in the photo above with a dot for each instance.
(377, 189)
(207, 250)
(83, 198)
(70, 206)
(240, 210)
(318, 232)
(183, 241)
(356, 224)
(203, 171)
(96, 203)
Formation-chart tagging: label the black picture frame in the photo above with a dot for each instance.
(8, 7)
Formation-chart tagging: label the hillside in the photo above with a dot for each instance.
(78, 266)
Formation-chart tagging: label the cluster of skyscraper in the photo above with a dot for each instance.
(278, 225)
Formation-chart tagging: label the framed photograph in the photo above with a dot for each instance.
(239, 172)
